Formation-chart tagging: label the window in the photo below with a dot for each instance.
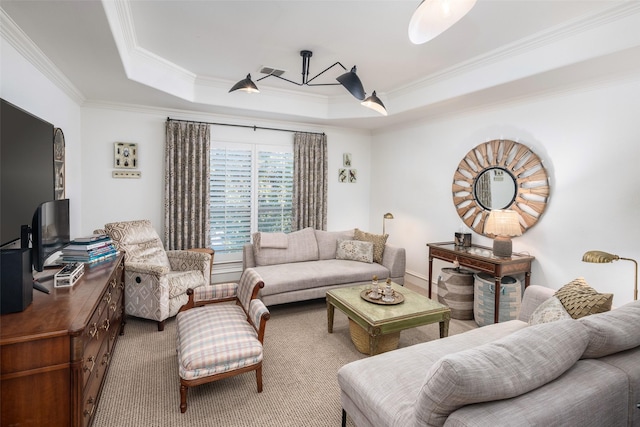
(251, 190)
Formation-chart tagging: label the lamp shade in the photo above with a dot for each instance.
(375, 104)
(503, 223)
(388, 215)
(245, 85)
(352, 83)
(601, 257)
(433, 17)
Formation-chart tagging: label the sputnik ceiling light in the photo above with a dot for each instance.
(433, 17)
(349, 80)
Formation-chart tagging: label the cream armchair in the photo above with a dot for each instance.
(156, 281)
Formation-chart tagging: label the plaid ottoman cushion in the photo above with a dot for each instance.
(213, 340)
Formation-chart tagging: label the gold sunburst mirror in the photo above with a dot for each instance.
(500, 174)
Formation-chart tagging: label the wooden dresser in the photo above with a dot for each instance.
(54, 355)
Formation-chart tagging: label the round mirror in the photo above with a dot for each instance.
(495, 188)
(500, 174)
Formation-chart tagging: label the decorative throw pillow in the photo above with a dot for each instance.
(549, 311)
(355, 250)
(505, 368)
(378, 240)
(614, 331)
(580, 299)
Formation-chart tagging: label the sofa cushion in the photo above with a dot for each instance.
(549, 311)
(580, 299)
(315, 274)
(378, 240)
(301, 246)
(271, 240)
(383, 388)
(355, 250)
(327, 242)
(613, 331)
(505, 368)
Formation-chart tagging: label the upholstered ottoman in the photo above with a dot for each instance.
(216, 341)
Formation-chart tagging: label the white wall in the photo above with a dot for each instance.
(25, 86)
(109, 199)
(590, 145)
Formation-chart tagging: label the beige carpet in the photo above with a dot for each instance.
(299, 374)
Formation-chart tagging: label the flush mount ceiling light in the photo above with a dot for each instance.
(349, 80)
(433, 17)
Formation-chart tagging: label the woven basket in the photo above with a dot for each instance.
(360, 339)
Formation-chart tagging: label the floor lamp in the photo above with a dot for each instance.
(600, 257)
(386, 216)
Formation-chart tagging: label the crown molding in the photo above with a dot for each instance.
(19, 40)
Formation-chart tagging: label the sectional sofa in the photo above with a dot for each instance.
(565, 372)
(305, 264)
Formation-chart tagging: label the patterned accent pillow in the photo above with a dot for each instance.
(549, 311)
(580, 299)
(355, 250)
(378, 240)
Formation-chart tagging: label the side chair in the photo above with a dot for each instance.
(218, 339)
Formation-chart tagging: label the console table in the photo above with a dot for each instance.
(481, 258)
(54, 355)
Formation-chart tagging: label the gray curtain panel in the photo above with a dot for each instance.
(309, 181)
(186, 185)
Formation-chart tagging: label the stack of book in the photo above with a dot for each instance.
(96, 247)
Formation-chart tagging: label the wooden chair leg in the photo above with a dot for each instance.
(161, 325)
(183, 398)
(259, 378)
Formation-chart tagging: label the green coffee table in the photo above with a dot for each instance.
(383, 323)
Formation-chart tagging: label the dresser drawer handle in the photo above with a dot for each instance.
(106, 358)
(106, 325)
(94, 330)
(91, 402)
(107, 297)
(113, 283)
(113, 307)
(93, 364)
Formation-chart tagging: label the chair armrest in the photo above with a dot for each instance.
(215, 293)
(209, 251)
(259, 314)
(138, 267)
(190, 260)
(210, 294)
(248, 287)
(395, 259)
(248, 259)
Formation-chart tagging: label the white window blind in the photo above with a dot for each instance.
(251, 190)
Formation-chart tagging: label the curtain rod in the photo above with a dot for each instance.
(254, 127)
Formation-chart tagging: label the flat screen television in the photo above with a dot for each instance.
(50, 231)
(26, 168)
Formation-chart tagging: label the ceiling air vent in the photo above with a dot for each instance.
(272, 71)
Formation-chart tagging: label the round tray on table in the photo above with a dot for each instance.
(397, 298)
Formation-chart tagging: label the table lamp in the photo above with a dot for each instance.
(503, 224)
(386, 216)
(600, 257)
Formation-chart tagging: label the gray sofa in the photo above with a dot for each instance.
(583, 372)
(302, 265)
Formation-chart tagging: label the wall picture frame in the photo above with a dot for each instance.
(125, 155)
(346, 160)
(343, 175)
(353, 176)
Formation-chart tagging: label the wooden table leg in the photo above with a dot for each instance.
(496, 307)
(444, 325)
(330, 311)
(430, 272)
